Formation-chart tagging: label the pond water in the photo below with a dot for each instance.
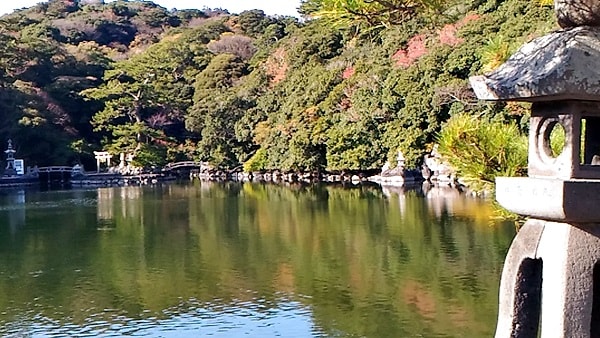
(248, 260)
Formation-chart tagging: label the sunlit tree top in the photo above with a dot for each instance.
(369, 12)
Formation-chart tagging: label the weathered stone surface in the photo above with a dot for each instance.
(565, 163)
(568, 253)
(575, 200)
(552, 265)
(561, 65)
(435, 169)
(573, 13)
(523, 247)
(397, 176)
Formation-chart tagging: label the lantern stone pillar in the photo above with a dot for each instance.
(551, 277)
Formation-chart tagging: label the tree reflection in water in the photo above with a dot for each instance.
(255, 259)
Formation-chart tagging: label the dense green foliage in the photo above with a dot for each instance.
(480, 149)
(354, 13)
(342, 92)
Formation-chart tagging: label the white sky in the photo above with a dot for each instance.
(271, 7)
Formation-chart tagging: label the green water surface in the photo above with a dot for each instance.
(248, 260)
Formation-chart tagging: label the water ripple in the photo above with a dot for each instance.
(73, 202)
(239, 318)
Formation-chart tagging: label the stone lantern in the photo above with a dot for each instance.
(551, 277)
(10, 160)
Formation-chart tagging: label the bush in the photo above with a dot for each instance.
(481, 149)
(257, 162)
(148, 156)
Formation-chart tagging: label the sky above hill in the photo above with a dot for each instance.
(271, 7)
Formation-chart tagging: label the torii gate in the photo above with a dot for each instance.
(102, 157)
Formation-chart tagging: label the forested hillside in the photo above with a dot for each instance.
(346, 87)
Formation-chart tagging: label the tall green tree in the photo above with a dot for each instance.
(146, 97)
(216, 110)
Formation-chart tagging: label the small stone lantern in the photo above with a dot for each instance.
(10, 160)
(552, 270)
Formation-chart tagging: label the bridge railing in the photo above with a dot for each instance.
(183, 164)
(170, 166)
(54, 169)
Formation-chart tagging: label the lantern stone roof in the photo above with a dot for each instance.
(564, 65)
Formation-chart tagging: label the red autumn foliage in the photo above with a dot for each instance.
(348, 72)
(468, 18)
(415, 49)
(447, 34)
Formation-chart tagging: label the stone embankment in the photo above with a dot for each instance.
(109, 179)
(433, 170)
(280, 176)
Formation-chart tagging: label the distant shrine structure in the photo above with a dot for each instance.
(102, 157)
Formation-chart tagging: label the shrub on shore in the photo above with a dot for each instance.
(479, 149)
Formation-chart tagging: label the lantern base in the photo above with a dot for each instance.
(552, 274)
